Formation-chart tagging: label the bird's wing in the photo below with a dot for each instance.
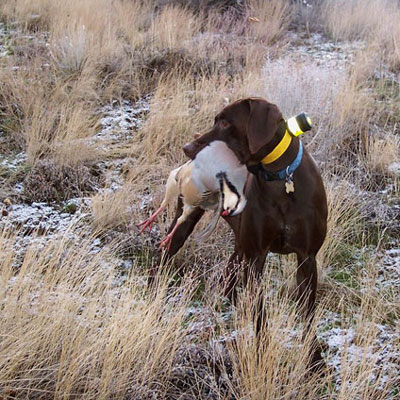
(173, 185)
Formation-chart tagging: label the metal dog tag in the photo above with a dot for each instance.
(289, 185)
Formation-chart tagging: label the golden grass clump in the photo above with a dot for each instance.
(344, 220)
(380, 154)
(112, 210)
(376, 22)
(274, 364)
(269, 19)
(50, 128)
(357, 19)
(70, 327)
(174, 26)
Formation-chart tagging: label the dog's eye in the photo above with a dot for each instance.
(224, 123)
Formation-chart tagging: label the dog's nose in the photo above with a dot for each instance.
(188, 149)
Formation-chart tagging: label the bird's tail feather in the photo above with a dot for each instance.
(209, 229)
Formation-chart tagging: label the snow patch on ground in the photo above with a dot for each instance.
(44, 217)
(121, 120)
(119, 123)
(389, 269)
(318, 48)
(394, 168)
(37, 223)
(381, 352)
(12, 163)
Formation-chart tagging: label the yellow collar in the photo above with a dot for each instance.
(279, 149)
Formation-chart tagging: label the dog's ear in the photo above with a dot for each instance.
(262, 124)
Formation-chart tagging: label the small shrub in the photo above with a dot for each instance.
(48, 182)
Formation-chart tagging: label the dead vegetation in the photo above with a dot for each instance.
(73, 323)
(93, 336)
(47, 182)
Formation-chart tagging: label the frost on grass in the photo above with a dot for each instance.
(329, 53)
(56, 199)
(389, 271)
(120, 121)
(394, 169)
(48, 182)
(3, 48)
(38, 223)
(380, 353)
(13, 163)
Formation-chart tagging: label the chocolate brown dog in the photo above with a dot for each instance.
(286, 210)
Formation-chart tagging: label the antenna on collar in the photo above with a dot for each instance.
(299, 124)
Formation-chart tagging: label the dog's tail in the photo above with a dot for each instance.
(209, 229)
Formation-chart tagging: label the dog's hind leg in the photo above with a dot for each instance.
(307, 280)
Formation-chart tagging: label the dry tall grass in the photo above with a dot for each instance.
(89, 335)
(338, 106)
(72, 325)
(183, 107)
(376, 22)
(270, 19)
(344, 220)
(381, 153)
(121, 50)
(71, 328)
(112, 209)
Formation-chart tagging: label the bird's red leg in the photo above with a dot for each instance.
(149, 221)
(168, 239)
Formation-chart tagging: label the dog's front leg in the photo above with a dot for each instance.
(184, 229)
(253, 271)
(181, 234)
(179, 237)
(231, 276)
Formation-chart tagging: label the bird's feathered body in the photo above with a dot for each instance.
(218, 158)
(198, 180)
(214, 173)
(192, 189)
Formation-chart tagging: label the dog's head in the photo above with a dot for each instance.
(246, 126)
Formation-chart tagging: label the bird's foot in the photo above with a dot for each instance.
(166, 242)
(147, 223)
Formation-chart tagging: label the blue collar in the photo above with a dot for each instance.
(283, 173)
